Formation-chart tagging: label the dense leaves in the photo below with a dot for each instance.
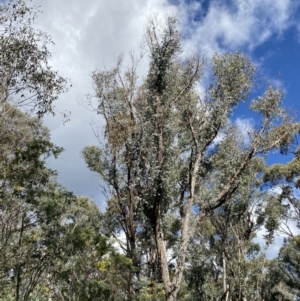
(49, 239)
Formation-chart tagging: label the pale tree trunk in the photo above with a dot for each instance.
(225, 285)
(19, 266)
(50, 287)
(163, 260)
(172, 288)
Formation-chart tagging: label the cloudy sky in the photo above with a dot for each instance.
(89, 35)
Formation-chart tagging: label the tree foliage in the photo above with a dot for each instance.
(50, 240)
(188, 190)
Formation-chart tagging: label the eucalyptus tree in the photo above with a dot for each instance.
(171, 156)
(26, 78)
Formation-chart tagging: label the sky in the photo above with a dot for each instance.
(89, 35)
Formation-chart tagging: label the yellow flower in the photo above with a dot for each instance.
(18, 188)
(101, 265)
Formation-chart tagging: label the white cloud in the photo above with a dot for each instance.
(276, 190)
(286, 229)
(245, 127)
(243, 24)
(271, 250)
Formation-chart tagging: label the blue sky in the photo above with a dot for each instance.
(282, 63)
(275, 48)
(89, 35)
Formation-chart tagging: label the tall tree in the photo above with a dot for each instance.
(165, 168)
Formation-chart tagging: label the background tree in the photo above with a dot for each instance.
(289, 264)
(24, 141)
(26, 79)
(50, 240)
(286, 216)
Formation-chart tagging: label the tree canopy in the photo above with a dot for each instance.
(176, 163)
(189, 191)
